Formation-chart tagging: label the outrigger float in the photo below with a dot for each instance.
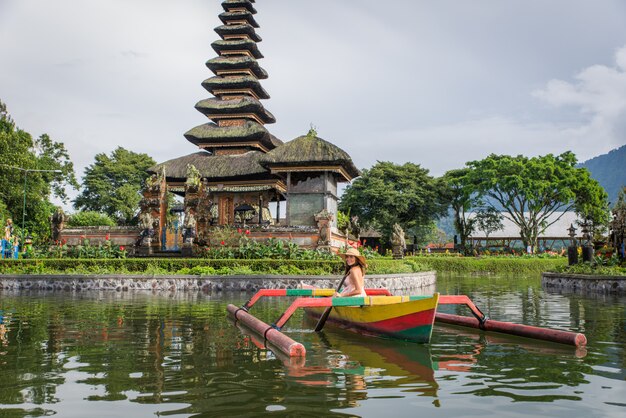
(409, 318)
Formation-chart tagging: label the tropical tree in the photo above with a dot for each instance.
(389, 193)
(462, 196)
(112, 184)
(533, 193)
(32, 171)
(488, 220)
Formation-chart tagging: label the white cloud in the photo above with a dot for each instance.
(599, 94)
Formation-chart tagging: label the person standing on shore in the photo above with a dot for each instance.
(8, 230)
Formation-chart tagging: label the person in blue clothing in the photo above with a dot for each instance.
(7, 240)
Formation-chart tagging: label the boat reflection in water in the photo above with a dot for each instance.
(358, 363)
(480, 340)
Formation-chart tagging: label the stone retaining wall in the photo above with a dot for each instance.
(117, 282)
(584, 283)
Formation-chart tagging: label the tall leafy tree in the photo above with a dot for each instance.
(534, 192)
(463, 197)
(112, 184)
(20, 158)
(389, 193)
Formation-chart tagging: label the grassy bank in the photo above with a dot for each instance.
(201, 266)
(496, 265)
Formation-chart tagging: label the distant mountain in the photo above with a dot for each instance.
(609, 170)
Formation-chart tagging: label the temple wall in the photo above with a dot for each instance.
(584, 283)
(118, 235)
(422, 283)
(311, 184)
(331, 185)
(303, 207)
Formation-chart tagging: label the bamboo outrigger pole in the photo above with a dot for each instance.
(481, 321)
(271, 334)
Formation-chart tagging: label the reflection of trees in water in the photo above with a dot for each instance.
(170, 351)
(180, 349)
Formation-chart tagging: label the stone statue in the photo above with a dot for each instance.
(398, 244)
(57, 223)
(324, 220)
(193, 177)
(146, 222)
(152, 183)
(355, 227)
(189, 226)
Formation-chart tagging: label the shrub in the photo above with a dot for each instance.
(90, 218)
(83, 250)
(596, 269)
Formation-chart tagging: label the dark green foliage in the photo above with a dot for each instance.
(90, 218)
(488, 220)
(112, 184)
(20, 152)
(389, 193)
(593, 269)
(532, 190)
(102, 250)
(462, 194)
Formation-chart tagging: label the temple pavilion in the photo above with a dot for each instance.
(241, 169)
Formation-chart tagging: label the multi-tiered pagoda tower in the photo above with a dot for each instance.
(241, 168)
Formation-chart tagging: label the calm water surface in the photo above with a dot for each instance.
(139, 355)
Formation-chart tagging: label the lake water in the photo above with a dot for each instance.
(107, 354)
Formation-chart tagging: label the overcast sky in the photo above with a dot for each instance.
(437, 82)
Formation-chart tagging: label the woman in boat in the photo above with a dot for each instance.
(354, 285)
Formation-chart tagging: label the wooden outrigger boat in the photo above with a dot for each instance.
(381, 314)
(409, 318)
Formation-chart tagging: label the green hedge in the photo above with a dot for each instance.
(315, 267)
(198, 266)
(505, 265)
(592, 269)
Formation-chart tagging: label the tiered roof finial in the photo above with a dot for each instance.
(236, 113)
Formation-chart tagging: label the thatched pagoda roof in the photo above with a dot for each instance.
(230, 16)
(215, 166)
(236, 63)
(310, 151)
(235, 106)
(209, 133)
(230, 4)
(235, 83)
(275, 141)
(237, 45)
(238, 30)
